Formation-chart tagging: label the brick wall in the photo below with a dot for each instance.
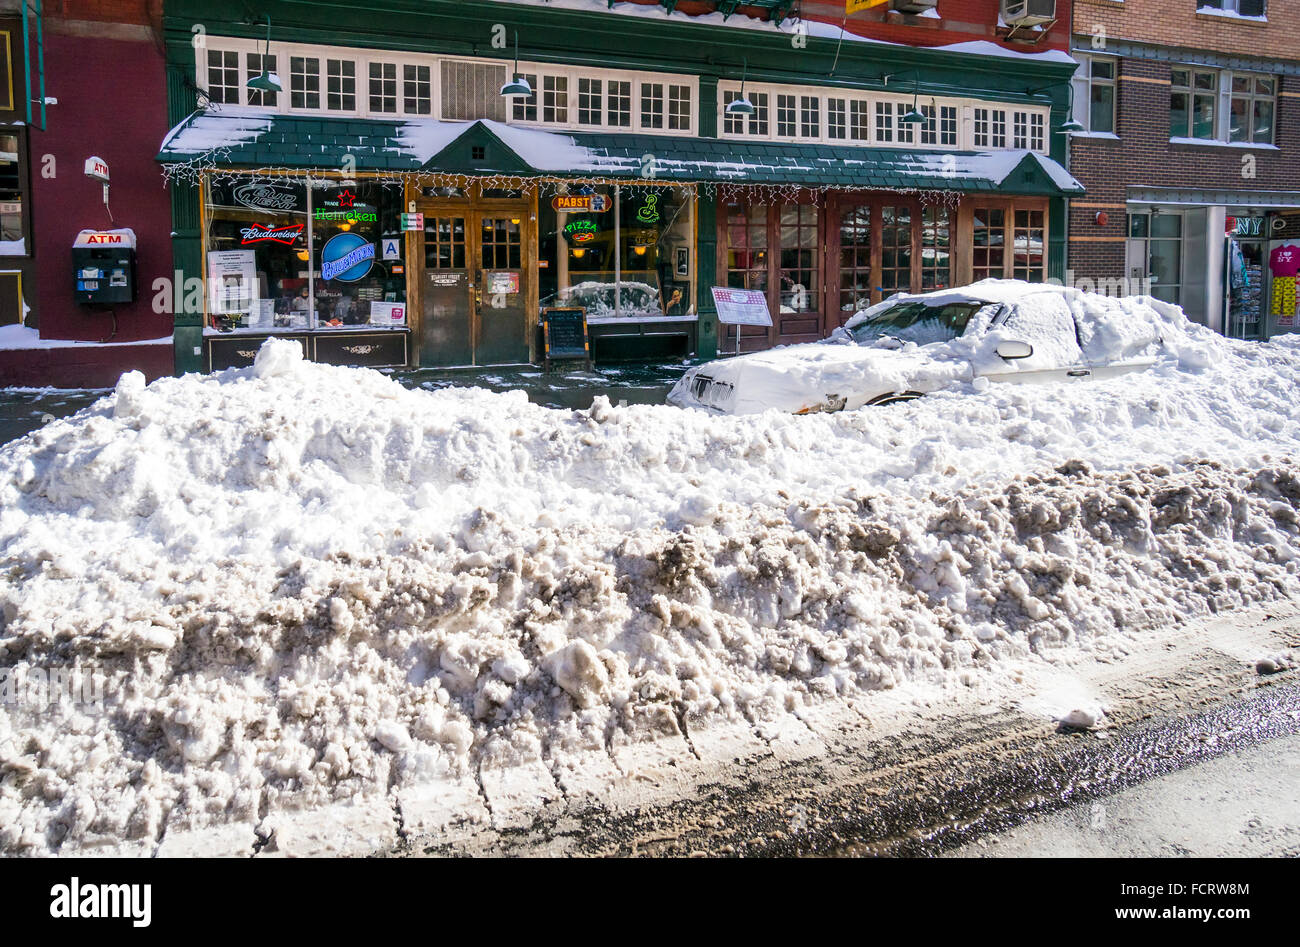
(1144, 156)
(1176, 23)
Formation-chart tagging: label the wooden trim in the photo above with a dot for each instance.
(1097, 239)
(9, 68)
(963, 250)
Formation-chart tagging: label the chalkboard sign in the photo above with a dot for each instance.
(565, 333)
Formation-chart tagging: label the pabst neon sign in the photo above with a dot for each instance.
(259, 234)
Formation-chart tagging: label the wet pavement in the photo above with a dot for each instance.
(23, 410)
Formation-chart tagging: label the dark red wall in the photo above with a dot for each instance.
(111, 103)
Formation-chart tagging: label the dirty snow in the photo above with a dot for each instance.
(306, 584)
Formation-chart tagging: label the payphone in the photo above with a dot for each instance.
(103, 264)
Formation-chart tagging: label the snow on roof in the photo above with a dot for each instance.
(209, 130)
(813, 28)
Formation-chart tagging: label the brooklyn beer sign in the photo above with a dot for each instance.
(258, 234)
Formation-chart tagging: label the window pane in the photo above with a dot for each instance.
(1203, 117)
(1263, 121)
(1101, 117)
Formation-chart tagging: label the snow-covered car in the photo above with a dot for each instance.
(910, 345)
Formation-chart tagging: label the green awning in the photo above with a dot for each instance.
(244, 138)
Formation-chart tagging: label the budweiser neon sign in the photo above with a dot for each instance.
(257, 234)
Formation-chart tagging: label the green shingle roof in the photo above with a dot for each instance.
(242, 138)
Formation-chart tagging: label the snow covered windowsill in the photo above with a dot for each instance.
(1215, 143)
(18, 337)
(1110, 136)
(1232, 15)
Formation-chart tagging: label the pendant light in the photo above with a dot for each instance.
(267, 81)
(915, 116)
(742, 105)
(518, 86)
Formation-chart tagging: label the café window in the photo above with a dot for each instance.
(1030, 261)
(619, 253)
(989, 243)
(281, 255)
(12, 197)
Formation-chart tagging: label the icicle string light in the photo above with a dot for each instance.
(212, 167)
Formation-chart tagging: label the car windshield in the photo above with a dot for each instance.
(916, 322)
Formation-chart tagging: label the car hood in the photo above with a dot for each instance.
(816, 376)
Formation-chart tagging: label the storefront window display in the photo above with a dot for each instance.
(618, 252)
(283, 255)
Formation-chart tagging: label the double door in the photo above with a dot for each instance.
(475, 284)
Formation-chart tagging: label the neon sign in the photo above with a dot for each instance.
(258, 234)
(649, 214)
(581, 231)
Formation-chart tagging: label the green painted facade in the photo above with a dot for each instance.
(673, 44)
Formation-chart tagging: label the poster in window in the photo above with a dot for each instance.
(232, 281)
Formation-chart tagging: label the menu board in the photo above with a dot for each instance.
(566, 332)
(743, 307)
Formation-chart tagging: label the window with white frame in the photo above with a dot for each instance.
(383, 87)
(905, 131)
(859, 120)
(758, 122)
(555, 99)
(679, 107)
(417, 89)
(618, 104)
(948, 126)
(990, 128)
(590, 101)
(341, 85)
(304, 82)
(837, 126)
(652, 105)
(810, 116)
(1037, 131)
(223, 77)
(1253, 105)
(1094, 93)
(786, 113)
(884, 122)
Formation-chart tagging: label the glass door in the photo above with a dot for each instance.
(446, 329)
(501, 289)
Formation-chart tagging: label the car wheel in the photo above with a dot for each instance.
(894, 398)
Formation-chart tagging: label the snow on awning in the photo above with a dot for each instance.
(235, 138)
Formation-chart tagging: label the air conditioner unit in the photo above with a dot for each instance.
(914, 6)
(1022, 13)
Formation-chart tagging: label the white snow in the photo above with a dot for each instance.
(224, 126)
(1066, 327)
(25, 337)
(309, 587)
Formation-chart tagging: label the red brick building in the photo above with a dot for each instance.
(1191, 153)
(104, 98)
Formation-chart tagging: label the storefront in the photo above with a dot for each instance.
(824, 255)
(1220, 255)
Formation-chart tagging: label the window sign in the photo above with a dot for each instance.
(347, 257)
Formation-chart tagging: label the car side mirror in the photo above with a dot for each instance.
(1013, 348)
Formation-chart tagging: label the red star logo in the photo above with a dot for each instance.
(346, 198)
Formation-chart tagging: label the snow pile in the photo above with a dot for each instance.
(305, 583)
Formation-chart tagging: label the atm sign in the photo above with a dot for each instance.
(105, 238)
